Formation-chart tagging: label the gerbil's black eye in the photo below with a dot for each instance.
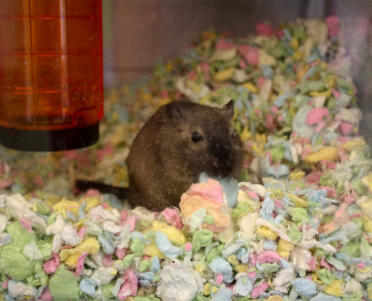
(196, 137)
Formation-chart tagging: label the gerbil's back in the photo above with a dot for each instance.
(145, 145)
(148, 166)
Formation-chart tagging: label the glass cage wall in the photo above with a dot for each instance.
(138, 34)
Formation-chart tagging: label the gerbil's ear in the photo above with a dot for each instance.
(175, 112)
(228, 109)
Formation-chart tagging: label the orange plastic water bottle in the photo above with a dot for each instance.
(51, 82)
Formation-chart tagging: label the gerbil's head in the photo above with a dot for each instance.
(204, 138)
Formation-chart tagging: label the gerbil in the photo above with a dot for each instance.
(180, 141)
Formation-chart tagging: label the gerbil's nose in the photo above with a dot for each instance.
(220, 150)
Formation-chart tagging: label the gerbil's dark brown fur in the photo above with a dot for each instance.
(180, 141)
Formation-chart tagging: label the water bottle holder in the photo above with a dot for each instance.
(49, 140)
